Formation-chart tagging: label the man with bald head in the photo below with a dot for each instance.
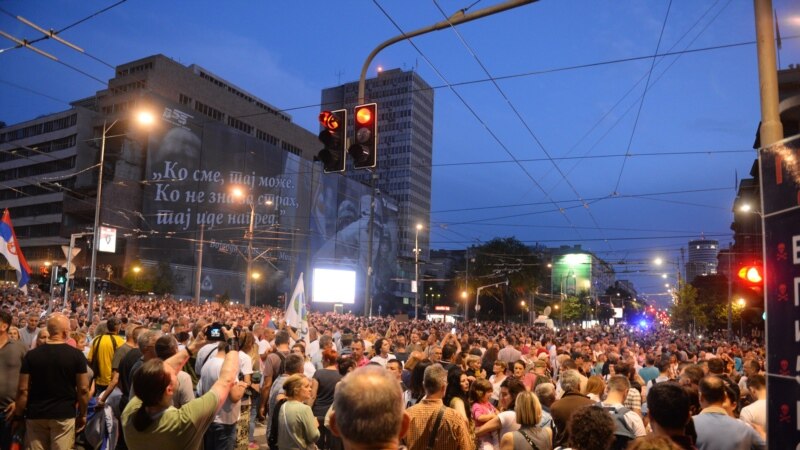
(368, 410)
(52, 380)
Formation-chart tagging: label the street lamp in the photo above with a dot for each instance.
(255, 276)
(240, 193)
(143, 118)
(136, 270)
(742, 305)
(416, 271)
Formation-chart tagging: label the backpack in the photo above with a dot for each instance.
(623, 434)
(281, 367)
(272, 438)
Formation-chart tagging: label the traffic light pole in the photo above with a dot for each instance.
(456, 19)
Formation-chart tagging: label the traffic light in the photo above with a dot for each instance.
(364, 149)
(751, 275)
(751, 278)
(62, 275)
(333, 137)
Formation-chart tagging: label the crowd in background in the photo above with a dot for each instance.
(209, 374)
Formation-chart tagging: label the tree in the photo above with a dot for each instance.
(498, 260)
(687, 312)
(163, 279)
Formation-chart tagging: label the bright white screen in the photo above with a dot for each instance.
(334, 286)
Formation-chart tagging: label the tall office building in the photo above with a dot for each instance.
(405, 151)
(702, 258)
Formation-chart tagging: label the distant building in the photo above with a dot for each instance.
(702, 258)
(405, 143)
(576, 270)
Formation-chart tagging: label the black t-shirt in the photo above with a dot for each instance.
(327, 379)
(52, 371)
(126, 371)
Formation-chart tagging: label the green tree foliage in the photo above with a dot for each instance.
(503, 259)
(162, 280)
(688, 311)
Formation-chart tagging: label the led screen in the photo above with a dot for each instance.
(334, 286)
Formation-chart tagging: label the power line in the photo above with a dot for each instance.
(641, 102)
(474, 113)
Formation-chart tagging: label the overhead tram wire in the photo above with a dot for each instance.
(477, 117)
(539, 72)
(642, 78)
(641, 103)
(522, 120)
(685, 191)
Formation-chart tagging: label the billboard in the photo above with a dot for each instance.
(302, 218)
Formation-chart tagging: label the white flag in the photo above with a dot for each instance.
(296, 313)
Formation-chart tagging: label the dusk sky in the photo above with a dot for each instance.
(538, 154)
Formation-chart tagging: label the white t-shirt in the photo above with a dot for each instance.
(381, 360)
(230, 412)
(755, 413)
(508, 422)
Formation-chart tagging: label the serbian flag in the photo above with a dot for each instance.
(10, 249)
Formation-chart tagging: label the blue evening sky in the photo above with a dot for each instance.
(703, 105)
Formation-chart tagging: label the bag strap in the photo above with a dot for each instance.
(435, 429)
(527, 438)
(289, 430)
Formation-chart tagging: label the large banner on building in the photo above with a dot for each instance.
(780, 173)
(194, 164)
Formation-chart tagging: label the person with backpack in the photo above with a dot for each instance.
(273, 367)
(101, 355)
(627, 423)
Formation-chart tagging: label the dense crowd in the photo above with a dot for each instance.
(162, 373)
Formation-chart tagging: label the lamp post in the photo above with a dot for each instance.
(742, 305)
(416, 271)
(255, 276)
(136, 270)
(143, 118)
(239, 193)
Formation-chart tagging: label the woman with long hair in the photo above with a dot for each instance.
(457, 391)
(530, 435)
(322, 389)
(417, 377)
(595, 388)
(298, 429)
(489, 357)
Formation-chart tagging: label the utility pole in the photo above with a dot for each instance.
(456, 19)
(199, 271)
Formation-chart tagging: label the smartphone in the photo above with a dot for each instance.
(453, 330)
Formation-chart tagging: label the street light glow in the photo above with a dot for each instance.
(658, 261)
(255, 275)
(419, 226)
(741, 302)
(145, 118)
(137, 269)
(237, 192)
(746, 207)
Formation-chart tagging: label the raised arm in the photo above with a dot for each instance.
(227, 377)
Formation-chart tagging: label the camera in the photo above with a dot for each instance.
(214, 332)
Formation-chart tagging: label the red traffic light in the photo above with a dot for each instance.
(751, 274)
(328, 120)
(364, 115)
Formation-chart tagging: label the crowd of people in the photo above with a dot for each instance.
(163, 373)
